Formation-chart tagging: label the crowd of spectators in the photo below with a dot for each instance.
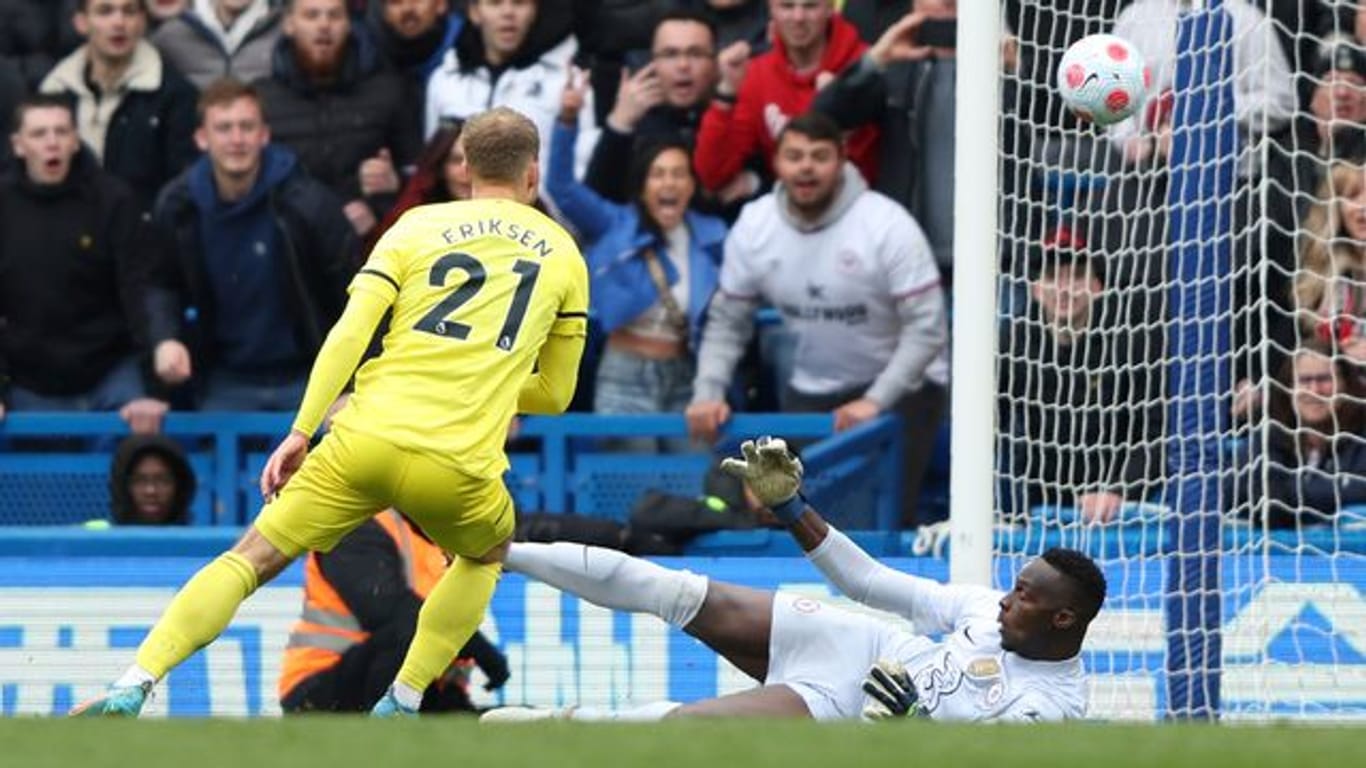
(189, 185)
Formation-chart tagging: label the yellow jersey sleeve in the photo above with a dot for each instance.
(571, 319)
(341, 352)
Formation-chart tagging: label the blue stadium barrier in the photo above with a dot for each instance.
(854, 475)
(1125, 541)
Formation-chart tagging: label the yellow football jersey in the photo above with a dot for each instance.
(476, 286)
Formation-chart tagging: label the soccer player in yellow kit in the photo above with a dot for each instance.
(489, 300)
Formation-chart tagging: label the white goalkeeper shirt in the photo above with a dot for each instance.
(966, 675)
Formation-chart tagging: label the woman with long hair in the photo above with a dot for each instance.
(1311, 461)
(440, 177)
(1330, 285)
(653, 266)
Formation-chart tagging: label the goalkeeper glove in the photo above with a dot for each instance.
(773, 473)
(891, 693)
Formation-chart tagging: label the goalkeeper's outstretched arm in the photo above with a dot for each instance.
(774, 475)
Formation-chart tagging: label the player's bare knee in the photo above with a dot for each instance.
(265, 558)
(736, 621)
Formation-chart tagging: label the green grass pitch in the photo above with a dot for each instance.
(352, 741)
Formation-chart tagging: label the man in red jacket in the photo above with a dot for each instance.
(756, 98)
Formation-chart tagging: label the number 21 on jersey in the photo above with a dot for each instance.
(439, 320)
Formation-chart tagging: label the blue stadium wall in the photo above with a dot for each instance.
(69, 623)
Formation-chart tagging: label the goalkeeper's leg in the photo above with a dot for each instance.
(734, 621)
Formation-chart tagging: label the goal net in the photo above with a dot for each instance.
(1181, 350)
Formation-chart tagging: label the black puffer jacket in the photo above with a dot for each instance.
(622, 25)
(126, 457)
(75, 262)
(333, 129)
(1087, 416)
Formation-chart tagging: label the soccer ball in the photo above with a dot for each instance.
(1103, 79)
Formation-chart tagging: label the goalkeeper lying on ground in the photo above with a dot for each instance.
(1003, 656)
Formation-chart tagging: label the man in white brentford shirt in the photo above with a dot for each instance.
(1011, 656)
(856, 283)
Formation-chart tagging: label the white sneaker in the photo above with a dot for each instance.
(525, 714)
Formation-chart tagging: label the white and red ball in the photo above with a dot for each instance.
(1103, 79)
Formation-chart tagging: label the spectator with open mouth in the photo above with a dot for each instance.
(653, 265)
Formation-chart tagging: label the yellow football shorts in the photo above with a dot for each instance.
(349, 477)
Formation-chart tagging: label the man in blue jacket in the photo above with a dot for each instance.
(264, 257)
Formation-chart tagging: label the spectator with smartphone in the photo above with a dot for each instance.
(661, 97)
(904, 84)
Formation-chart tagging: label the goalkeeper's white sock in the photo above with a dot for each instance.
(613, 579)
(646, 713)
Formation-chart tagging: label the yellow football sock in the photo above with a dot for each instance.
(449, 617)
(198, 613)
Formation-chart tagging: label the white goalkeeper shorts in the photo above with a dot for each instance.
(824, 653)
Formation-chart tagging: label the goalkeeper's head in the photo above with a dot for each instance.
(1054, 599)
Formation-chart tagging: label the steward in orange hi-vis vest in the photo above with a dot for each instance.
(361, 602)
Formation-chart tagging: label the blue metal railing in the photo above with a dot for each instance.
(227, 449)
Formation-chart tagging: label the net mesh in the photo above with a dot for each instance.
(1180, 333)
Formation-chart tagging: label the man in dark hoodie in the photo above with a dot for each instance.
(76, 315)
(332, 101)
(264, 257)
(150, 482)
